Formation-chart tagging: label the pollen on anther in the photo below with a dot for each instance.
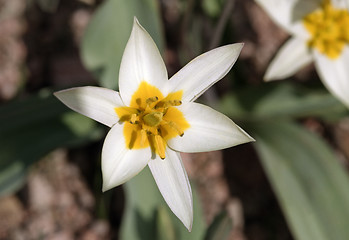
(160, 146)
(133, 119)
(176, 102)
(151, 100)
(143, 137)
(174, 126)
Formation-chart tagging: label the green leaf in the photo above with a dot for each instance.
(164, 225)
(143, 203)
(212, 7)
(286, 100)
(311, 185)
(33, 127)
(220, 228)
(107, 34)
(24, 112)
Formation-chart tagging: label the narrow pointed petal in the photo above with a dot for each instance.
(209, 130)
(120, 164)
(292, 56)
(204, 71)
(335, 74)
(94, 102)
(173, 183)
(141, 61)
(289, 13)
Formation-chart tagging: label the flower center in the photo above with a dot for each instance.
(328, 27)
(151, 120)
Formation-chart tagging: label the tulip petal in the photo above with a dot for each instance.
(173, 183)
(334, 73)
(204, 71)
(140, 62)
(120, 164)
(289, 13)
(94, 102)
(340, 4)
(209, 130)
(292, 56)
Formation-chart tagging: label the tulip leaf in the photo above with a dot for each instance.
(212, 7)
(107, 34)
(310, 183)
(145, 207)
(164, 225)
(287, 100)
(33, 127)
(220, 228)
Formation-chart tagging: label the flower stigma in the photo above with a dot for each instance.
(328, 29)
(152, 119)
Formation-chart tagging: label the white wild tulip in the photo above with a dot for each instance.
(153, 118)
(320, 34)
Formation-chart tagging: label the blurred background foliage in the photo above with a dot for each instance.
(301, 131)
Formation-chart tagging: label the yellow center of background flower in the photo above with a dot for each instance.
(328, 27)
(152, 119)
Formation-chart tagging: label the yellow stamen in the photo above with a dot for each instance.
(151, 100)
(143, 137)
(176, 128)
(167, 104)
(328, 27)
(160, 146)
(133, 119)
(152, 119)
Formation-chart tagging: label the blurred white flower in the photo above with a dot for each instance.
(152, 118)
(320, 33)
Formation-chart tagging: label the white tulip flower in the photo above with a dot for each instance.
(153, 118)
(320, 33)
